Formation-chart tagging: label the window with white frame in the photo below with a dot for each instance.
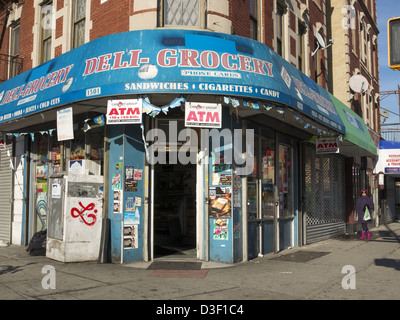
(78, 23)
(14, 51)
(46, 30)
(302, 30)
(279, 25)
(254, 19)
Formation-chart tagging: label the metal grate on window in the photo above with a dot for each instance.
(324, 187)
(181, 12)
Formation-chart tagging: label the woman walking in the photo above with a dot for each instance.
(364, 208)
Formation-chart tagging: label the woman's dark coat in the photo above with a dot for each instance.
(361, 203)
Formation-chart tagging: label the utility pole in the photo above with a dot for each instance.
(385, 94)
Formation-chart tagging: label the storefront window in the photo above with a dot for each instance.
(268, 177)
(52, 157)
(41, 173)
(252, 193)
(78, 145)
(285, 181)
(95, 144)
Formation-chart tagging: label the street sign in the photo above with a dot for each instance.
(394, 43)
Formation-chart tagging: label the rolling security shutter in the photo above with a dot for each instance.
(390, 199)
(5, 194)
(325, 202)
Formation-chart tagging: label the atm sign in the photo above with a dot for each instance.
(327, 145)
(205, 115)
(124, 111)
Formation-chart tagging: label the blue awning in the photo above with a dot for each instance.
(383, 144)
(166, 61)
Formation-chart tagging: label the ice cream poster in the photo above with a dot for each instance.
(221, 228)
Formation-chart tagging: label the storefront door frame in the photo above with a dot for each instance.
(202, 160)
(279, 140)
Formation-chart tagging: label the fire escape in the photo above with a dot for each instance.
(10, 64)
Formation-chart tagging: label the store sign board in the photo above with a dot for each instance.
(327, 145)
(204, 115)
(127, 111)
(388, 161)
(166, 61)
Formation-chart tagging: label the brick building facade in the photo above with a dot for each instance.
(43, 33)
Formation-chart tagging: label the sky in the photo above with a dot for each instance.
(389, 79)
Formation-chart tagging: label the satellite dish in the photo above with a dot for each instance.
(320, 40)
(358, 83)
(384, 114)
(321, 43)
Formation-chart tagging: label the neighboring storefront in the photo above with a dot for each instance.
(388, 169)
(142, 118)
(6, 194)
(335, 171)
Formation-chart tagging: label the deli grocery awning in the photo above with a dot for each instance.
(183, 62)
(357, 140)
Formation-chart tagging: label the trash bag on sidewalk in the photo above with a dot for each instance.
(37, 245)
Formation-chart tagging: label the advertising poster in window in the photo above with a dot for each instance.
(65, 126)
(220, 202)
(221, 228)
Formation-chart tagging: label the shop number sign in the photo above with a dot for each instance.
(124, 111)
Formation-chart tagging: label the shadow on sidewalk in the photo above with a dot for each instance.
(388, 235)
(389, 263)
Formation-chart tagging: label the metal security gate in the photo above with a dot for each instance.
(324, 195)
(5, 193)
(390, 199)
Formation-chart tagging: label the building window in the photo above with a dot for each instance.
(46, 30)
(280, 11)
(79, 21)
(181, 12)
(300, 40)
(354, 34)
(254, 19)
(14, 51)
(317, 60)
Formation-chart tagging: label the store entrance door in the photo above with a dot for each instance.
(175, 210)
(174, 193)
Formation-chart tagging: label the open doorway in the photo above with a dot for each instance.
(174, 196)
(175, 210)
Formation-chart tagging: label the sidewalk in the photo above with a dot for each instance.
(310, 272)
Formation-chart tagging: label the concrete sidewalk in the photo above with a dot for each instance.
(310, 272)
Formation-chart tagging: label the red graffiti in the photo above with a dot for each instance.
(75, 213)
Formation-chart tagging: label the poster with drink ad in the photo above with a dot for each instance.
(131, 237)
(220, 202)
(124, 111)
(203, 115)
(131, 211)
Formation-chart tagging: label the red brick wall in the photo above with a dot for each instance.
(109, 18)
